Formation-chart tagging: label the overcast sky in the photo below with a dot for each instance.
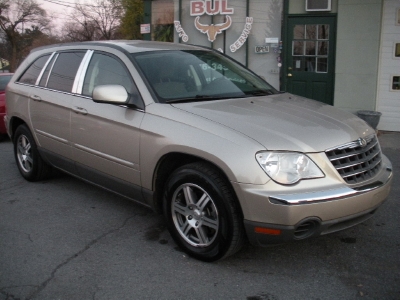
(58, 9)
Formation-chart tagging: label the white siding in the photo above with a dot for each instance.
(388, 100)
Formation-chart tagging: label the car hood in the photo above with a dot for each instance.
(283, 121)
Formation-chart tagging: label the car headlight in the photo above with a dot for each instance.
(288, 167)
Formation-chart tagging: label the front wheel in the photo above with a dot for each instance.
(30, 164)
(202, 212)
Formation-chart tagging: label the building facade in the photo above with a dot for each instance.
(342, 52)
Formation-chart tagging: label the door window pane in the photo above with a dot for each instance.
(322, 65)
(298, 32)
(64, 70)
(298, 63)
(104, 69)
(309, 64)
(304, 64)
(322, 48)
(311, 32)
(298, 48)
(31, 74)
(323, 32)
(310, 48)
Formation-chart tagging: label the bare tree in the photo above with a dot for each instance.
(14, 16)
(80, 31)
(97, 21)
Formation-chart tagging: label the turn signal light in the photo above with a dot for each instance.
(269, 231)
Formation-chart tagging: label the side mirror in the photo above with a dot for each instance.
(112, 94)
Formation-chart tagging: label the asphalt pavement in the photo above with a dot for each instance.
(65, 239)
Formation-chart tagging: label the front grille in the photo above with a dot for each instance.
(357, 161)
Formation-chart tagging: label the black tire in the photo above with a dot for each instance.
(30, 164)
(202, 213)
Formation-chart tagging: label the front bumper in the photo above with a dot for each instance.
(273, 216)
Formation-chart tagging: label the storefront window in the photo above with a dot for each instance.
(162, 20)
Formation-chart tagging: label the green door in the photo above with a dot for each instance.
(310, 56)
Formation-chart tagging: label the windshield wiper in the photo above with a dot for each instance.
(259, 93)
(200, 98)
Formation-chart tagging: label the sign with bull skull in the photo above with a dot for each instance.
(214, 7)
(199, 8)
(212, 30)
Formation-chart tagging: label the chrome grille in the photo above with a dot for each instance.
(357, 161)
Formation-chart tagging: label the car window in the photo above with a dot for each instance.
(198, 74)
(45, 76)
(104, 69)
(4, 80)
(63, 73)
(31, 74)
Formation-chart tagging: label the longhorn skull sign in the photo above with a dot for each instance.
(212, 30)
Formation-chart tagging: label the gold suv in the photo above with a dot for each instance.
(195, 135)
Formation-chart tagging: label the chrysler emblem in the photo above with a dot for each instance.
(362, 142)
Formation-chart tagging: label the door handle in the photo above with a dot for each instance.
(35, 98)
(289, 75)
(80, 110)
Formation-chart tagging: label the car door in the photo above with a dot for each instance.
(105, 137)
(50, 104)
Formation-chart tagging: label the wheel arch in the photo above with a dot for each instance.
(172, 161)
(15, 122)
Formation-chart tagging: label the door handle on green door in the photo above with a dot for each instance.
(289, 75)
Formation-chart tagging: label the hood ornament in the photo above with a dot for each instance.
(362, 142)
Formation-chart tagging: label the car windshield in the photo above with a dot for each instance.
(198, 75)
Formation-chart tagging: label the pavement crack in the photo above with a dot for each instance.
(77, 254)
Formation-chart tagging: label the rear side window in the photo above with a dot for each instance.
(31, 74)
(64, 70)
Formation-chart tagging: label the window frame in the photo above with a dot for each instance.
(81, 74)
(392, 81)
(40, 73)
(58, 53)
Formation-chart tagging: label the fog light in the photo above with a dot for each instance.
(269, 231)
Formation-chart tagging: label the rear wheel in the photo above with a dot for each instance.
(30, 164)
(202, 212)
